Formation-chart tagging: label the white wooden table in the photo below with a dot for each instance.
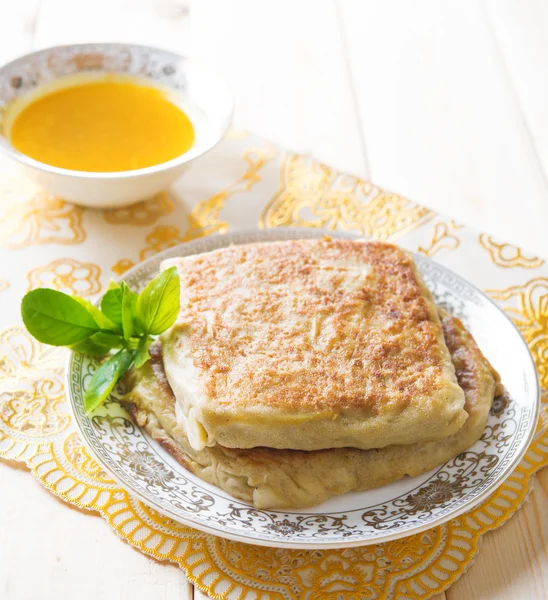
(443, 101)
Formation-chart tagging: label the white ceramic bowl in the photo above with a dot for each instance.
(205, 98)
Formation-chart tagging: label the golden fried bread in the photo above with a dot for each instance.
(291, 478)
(309, 344)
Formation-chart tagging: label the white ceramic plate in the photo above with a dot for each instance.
(403, 508)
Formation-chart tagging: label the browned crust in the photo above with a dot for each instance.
(466, 356)
(377, 348)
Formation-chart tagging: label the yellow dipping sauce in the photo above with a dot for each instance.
(102, 125)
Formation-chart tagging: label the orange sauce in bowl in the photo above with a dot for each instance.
(105, 125)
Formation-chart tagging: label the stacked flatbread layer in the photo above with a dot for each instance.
(305, 369)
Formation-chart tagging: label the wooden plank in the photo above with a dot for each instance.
(50, 550)
(513, 560)
(440, 119)
(521, 32)
(286, 65)
(17, 29)
(162, 23)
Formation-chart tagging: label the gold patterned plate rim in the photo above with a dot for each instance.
(412, 505)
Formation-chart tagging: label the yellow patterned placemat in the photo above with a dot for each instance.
(244, 182)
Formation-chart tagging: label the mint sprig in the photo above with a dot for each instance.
(124, 321)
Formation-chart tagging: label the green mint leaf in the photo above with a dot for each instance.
(105, 378)
(90, 347)
(158, 304)
(102, 320)
(111, 306)
(56, 318)
(142, 355)
(99, 344)
(112, 340)
(129, 302)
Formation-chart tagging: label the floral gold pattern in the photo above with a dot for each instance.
(204, 218)
(417, 566)
(18, 351)
(78, 457)
(4, 285)
(45, 219)
(161, 238)
(32, 411)
(507, 255)
(527, 306)
(443, 237)
(143, 213)
(31, 399)
(67, 275)
(314, 195)
(122, 265)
